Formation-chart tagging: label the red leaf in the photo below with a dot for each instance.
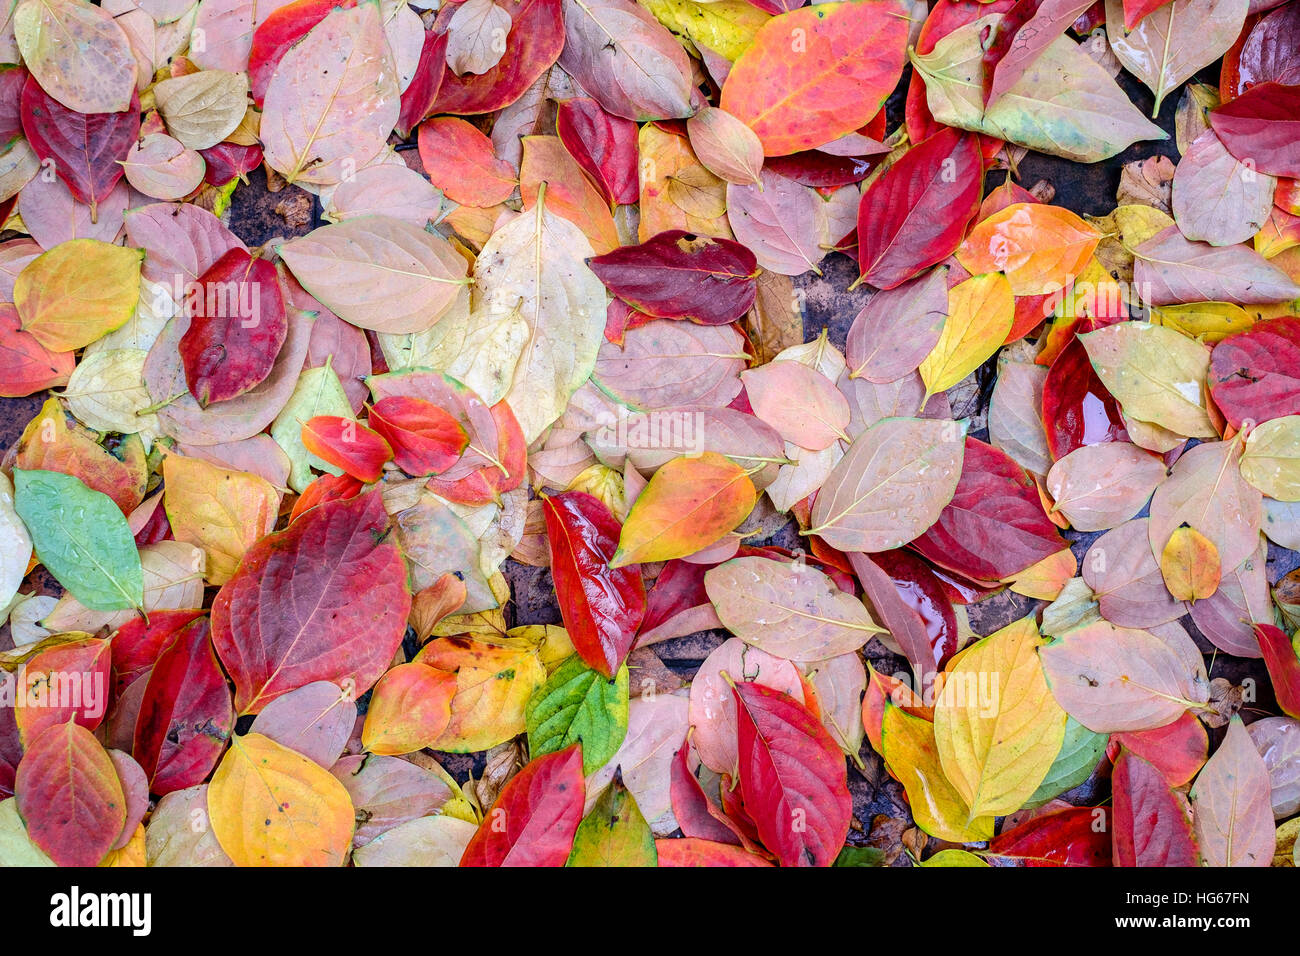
(602, 606)
(86, 149)
(1283, 666)
(1262, 127)
(225, 161)
(916, 213)
(70, 797)
(692, 851)
(1256, 374)
(995, 525)
(1153, 823)
(27, 366)
(325, 488)
(1178, 749)
(603, 145)
(64, 682)
(1267, 50)
(459, 160)
(1136, 10)
(792, 777)
(675, 275)
(1076, 837)
(425, 439)
(12, 80)
(535, 817)
(325, 599)
(418, 97)
(346, 444)
(281, 29)
(912, 606)
(693, 810)
(137, 643)
(534, 43)
(1077, 409)
(237, 328)
(185, 716)
(821, 170)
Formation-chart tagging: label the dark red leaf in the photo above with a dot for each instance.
(1153, 823)
(1255, 374)
(675, 275)
(1261, 127)
(915, 214)
(238, 324)
(534, 44)
(535, 817)
(418, 97)
(12, 80)
(1283, 666)
(1075, 837)
(226, 161)
(921, 621)
(821, 170)
(995, 525)
(1077, 409)
(185, 716)
(602, 606)
(693, 810)
(325, 599)
(85, 149)
(137, 643)
(603, 145)
(792, 777)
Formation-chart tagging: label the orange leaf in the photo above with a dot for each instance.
(1039, 247)
(689, 504)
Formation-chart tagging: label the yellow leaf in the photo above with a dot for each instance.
(997, 727)
(688, 504)
(78, 292)
(1190, 565)
(908, 747)
(271, 806)
(1045, 579)
(603, 482)
(223, 512)
(953, 857)
(1271, 460)
(980, 313)
(130, 855)
(1207, 321)
(1039, 247)
(493, 684)
(726, 27)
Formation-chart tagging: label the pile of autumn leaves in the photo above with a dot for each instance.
(612, 382)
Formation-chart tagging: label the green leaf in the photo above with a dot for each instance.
(614, 833)
(578, 703)
(860, 856)
(953, 857)
(83, 539)
(1080, 753)
(318, 392)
